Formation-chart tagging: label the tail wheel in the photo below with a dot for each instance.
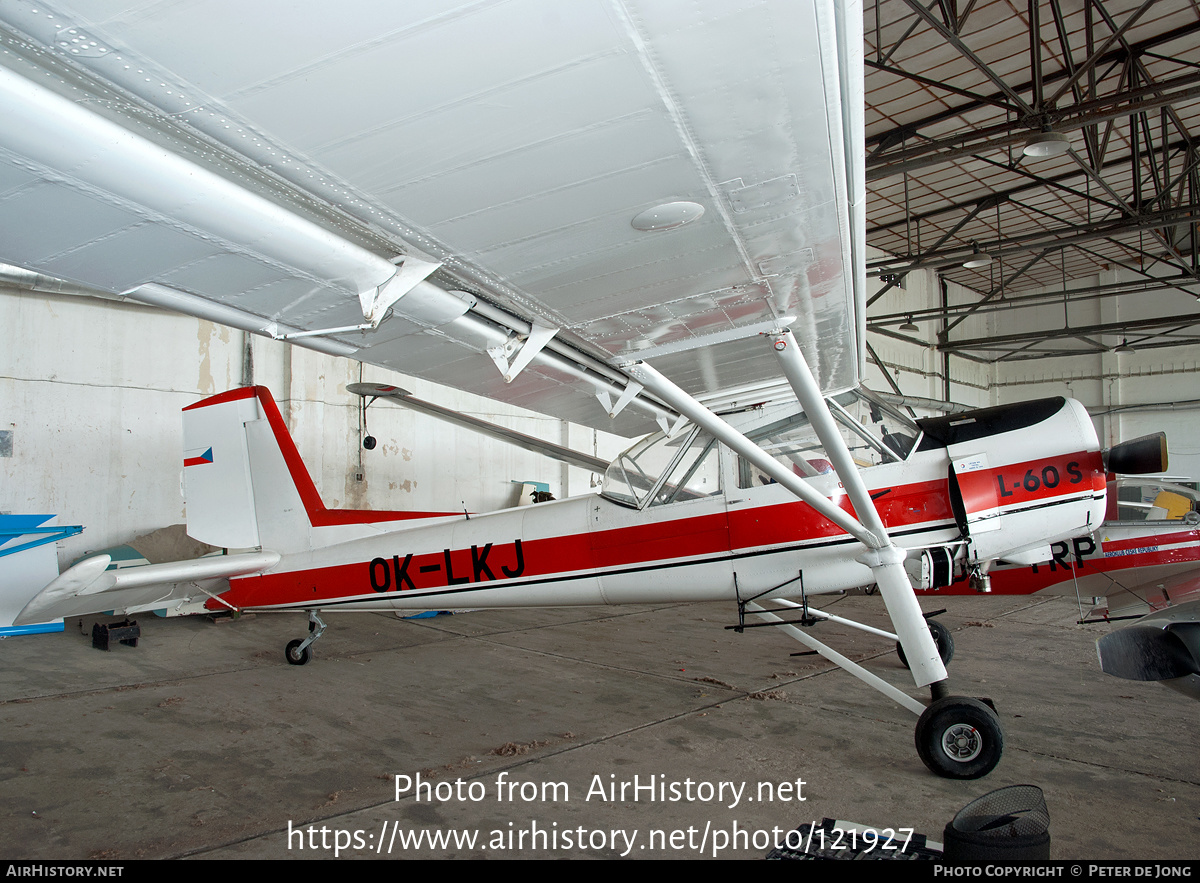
(942, 639)
(296, 656)
(959, 738)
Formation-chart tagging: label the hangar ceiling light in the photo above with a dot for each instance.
(1043, 144)
(977, 259)
(1062, 137)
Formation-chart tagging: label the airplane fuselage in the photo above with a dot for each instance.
(591, 550)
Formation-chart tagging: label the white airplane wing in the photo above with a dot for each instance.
(569, 185)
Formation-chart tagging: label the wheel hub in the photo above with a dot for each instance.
(962, 743)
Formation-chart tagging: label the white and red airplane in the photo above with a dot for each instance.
(534, 201)
(715, 512)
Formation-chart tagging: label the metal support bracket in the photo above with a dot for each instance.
(375, 302)
(516, 352)
(218, 598)
(871, 680)
(316, 628)
(741, 604)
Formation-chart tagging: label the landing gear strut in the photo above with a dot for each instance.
(942, 639)
(298, 652)
(956, 737)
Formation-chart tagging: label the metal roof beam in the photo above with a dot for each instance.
(1016, 132)
(950, 37)
(1042, 239)
(1036, 181)
(998, 99)
(1117, 36)
(1069, 295)
(1123, 326)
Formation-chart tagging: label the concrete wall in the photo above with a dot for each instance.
(91, 393)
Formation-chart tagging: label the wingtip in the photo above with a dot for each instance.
(79, 579)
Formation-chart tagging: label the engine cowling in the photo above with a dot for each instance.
(1022, 476)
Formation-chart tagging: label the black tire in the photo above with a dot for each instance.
(959, 738)
(296, 656)
(942, 639)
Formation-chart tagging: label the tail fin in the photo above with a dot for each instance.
(245, 484)
(244, 481)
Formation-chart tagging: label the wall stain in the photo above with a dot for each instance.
(205, 331)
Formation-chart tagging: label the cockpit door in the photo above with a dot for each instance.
(663, 534)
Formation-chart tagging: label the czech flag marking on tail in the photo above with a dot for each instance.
(189, 459)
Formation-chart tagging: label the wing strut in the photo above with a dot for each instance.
(883, 557)
(956, 737)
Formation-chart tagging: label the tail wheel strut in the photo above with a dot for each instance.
(299, 651)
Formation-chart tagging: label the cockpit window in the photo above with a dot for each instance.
(873, 431)
(1148, 499)
(660, 470)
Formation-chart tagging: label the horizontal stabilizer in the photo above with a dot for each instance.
(89, 587)
(502, 433)
(1142, 456)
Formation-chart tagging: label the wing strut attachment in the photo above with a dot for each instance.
(516, 352)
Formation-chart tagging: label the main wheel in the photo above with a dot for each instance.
(959, 738)
(942, 639)
(296, 656)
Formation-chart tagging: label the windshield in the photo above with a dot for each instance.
(873, 431)
(660, 470)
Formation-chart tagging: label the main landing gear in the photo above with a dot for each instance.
(959, 738)
(956, 737)
(298, 652)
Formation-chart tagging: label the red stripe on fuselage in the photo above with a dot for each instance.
(732, 532)
(1018, 484)
(785, 524)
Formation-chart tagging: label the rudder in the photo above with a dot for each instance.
(244, 482)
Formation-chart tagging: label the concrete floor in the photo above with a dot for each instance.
(202, 742)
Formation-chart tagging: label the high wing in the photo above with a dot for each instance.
(570, 186)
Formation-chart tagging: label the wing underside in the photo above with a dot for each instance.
(269, 167)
